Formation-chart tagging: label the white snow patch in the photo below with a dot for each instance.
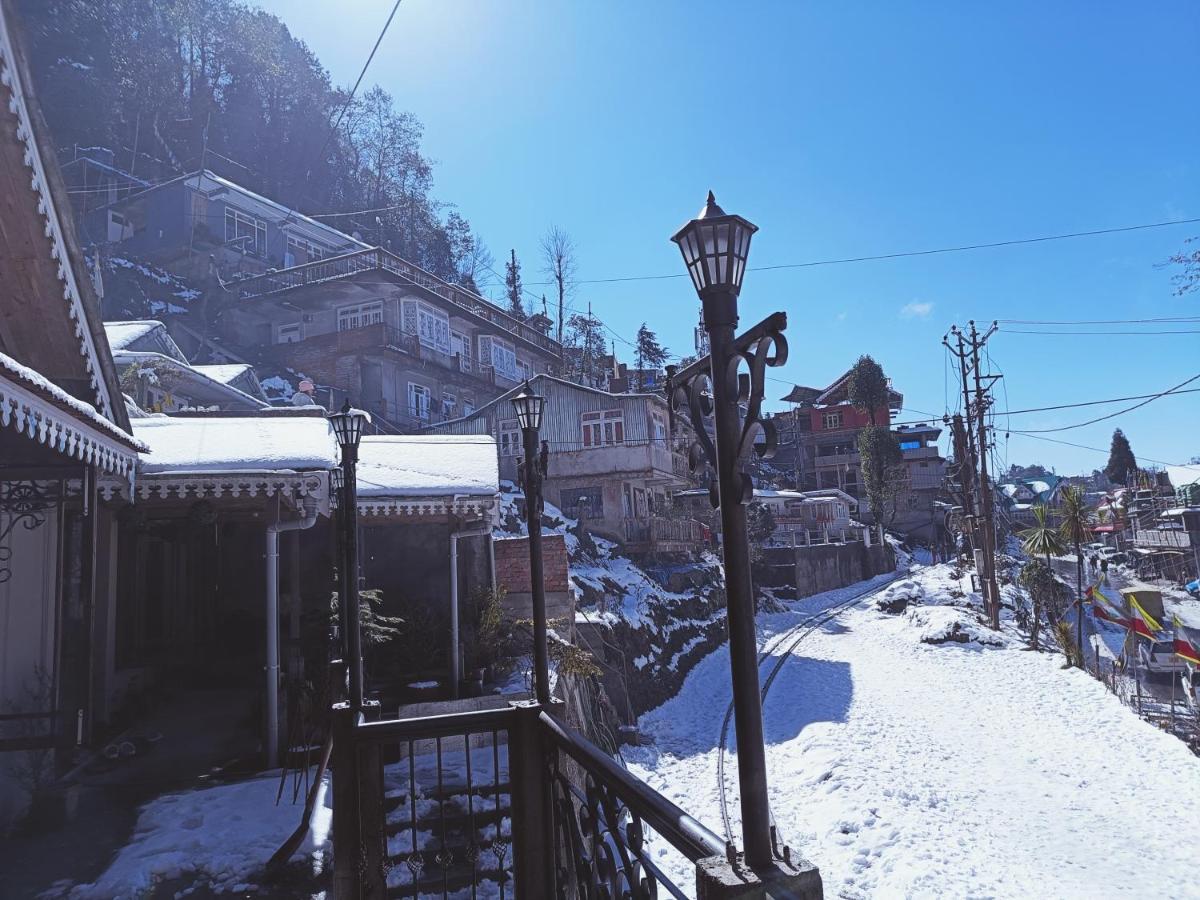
(224, 834)
(427, 465)
(236, 444)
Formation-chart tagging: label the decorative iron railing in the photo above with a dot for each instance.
(496, 803)
(378, 258)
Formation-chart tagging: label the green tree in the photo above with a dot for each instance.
(1039, 540)
(867, 387)
(760, 525)
(882, 470)
(1075, 528)
(1121, 462)
(650, 354)
(512, 286)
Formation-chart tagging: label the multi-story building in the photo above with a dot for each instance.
(612, 461)
(925, 472)
(823, 452)
(399, 342)
(199, 221)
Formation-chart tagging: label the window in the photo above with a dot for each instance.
(300, 251)
(510, 438)
(601, 428)
(420, 400)
(460, 345)
(659, 427)
(246, 232)
(500, 355)
(289, 333)
(449, 403)
(582, 502)
(831, 420)
(360, 316)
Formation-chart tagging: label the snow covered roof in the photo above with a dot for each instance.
(428, 465)
(122, 334)
(224, 372)
(1182, 475)
(236, 443)
(32, 404)
(171, 374)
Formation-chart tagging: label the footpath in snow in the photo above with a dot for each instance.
(909, 769)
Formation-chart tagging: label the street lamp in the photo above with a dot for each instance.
(529, 407)
(348, 426)
(715, 246)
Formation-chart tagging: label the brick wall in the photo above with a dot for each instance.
(512, 564)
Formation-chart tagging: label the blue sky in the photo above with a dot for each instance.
(841, 130)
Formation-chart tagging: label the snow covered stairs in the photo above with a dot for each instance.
(448, 819)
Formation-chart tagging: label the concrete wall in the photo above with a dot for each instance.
(823, 567)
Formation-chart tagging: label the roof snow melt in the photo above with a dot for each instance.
(427, 465)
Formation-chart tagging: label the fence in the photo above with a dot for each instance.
(1174, 714)
(505, 803)
(658, 530)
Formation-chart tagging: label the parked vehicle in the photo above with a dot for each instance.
(1159, 656)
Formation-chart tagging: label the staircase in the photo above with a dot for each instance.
(448, 819)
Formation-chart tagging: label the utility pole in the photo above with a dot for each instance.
(971, 432)
(982, 401)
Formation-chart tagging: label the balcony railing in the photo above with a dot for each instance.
(368, 260)
(506, 802)
(1162, 537)
(657, 530)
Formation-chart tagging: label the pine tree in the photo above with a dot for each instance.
(512, 286)
(650, 354)
(882, 470)
(1121, 462)
(867, 387)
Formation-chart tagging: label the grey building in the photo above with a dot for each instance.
(613, 461)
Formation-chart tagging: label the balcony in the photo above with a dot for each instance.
(1162, 537)
(661, 535)
(828, 460)
(350, 264)
(922, 453)
(505, 802)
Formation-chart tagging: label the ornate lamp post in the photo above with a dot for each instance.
(337, 487)
(529, 407)
(712, 394)
(348, 426)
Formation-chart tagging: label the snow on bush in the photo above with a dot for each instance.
(899, 596)
(945, 624)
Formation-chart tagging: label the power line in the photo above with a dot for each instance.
(1098, 333)
(907, 253)
(1159, 462)
(1119, 412)
(1100, 321)
(354, 90)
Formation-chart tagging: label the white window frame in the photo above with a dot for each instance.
(449, 404)
(312, 252)
(500, 355)
(234, 218)
(420, 401)
(659, 422)
(831, 420)
(359, 315)
(433, 327)
(602, 428)
(461, 344)
(509, 437)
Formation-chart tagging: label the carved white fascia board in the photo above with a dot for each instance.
(215, 485)
(47, 424)
(428, 507)
(10, 78)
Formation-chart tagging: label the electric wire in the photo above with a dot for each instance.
(1119, 412)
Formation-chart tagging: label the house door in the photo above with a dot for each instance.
(639, 503)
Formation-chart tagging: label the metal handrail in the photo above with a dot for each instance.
(683, 832)
(445, 725)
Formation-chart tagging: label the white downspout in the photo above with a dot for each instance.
(478, 530)
(273, 530)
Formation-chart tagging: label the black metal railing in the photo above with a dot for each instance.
(498, 803)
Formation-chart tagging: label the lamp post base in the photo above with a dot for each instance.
(718, 879)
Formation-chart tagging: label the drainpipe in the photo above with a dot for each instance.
(478, 530)
(272, 555)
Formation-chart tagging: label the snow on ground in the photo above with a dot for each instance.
(223, 834)
(909, 769)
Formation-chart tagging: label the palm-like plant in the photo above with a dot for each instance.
(1075, 527)
(1040, 539)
